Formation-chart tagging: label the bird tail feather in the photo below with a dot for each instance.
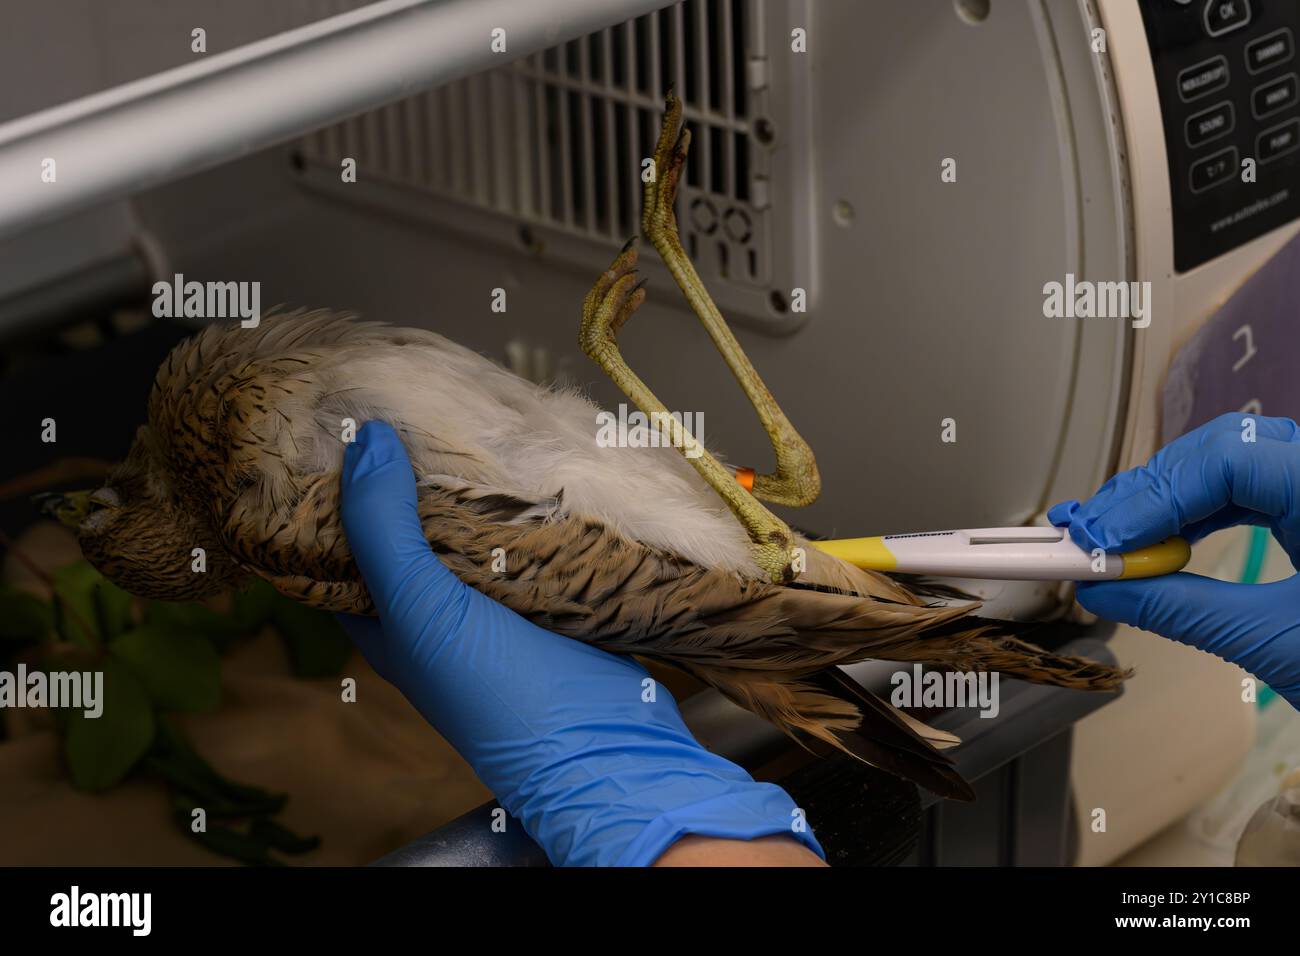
(973, 644)
(831, 707)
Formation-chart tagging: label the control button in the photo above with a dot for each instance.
(1214, 170)
(1270, 51)
(1224, 16)
(1278, 142)
(1210, 124)
(1274, 97)
(1203, 79)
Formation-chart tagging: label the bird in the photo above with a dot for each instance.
(639, 549)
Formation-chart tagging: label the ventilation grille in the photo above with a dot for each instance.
(556, 141)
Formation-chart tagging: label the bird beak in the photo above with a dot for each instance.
(69, 508)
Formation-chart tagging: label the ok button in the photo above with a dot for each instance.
(1224, 16)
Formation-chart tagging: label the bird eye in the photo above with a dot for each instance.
(107, 497)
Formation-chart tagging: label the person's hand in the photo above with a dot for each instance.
(1205, 481)
(566, 735)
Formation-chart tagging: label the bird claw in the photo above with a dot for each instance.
(610, 303)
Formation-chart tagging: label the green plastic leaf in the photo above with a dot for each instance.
(195, 783)
(179, 671)
(90, 600)
(226, 841)
(191, 618)
(23, 616)
(102, 750)
(179, 764)
(252, 606)
(318, 646)
(281, 838)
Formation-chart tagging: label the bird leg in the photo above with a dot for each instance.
(796, 481)
(610, 303)
(617, 295)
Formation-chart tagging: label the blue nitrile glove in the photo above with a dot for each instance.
(1203, 482)
(556, 729)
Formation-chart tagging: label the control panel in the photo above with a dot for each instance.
(1229, 82)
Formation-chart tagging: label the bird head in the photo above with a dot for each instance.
(136, 531)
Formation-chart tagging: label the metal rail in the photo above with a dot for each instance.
(231, 104)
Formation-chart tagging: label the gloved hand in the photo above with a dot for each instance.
(1203, 482)
(557, 729)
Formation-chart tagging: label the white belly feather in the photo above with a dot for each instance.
(469, 418)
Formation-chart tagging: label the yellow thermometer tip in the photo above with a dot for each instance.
(1168, 556)
(869, 553)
